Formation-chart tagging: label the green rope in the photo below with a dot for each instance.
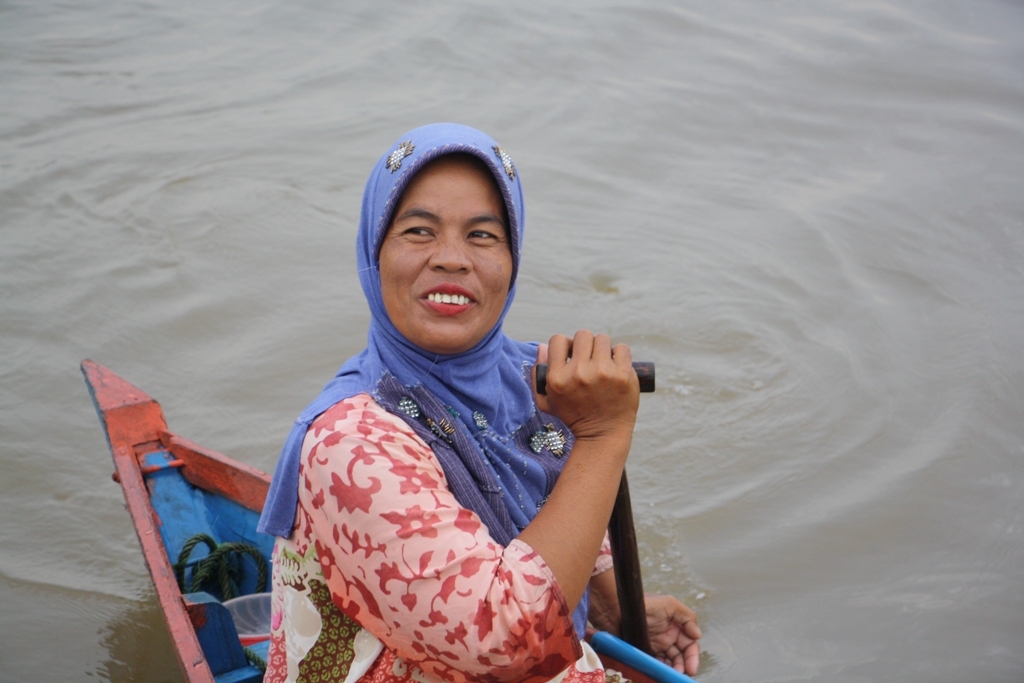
(215, 567)
(255, 659)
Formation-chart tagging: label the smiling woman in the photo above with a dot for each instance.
(445, 264)
(437, 519)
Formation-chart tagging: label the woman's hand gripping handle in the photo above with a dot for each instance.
(590, 385)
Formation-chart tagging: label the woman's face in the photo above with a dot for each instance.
(445, 263)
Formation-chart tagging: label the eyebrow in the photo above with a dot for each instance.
(418, 213)
(414, 212)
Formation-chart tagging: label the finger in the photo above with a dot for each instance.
(691, 629)
(602, 347)
(583, 345)
(622, 355)
(691, 659)
(675, 661)
(558, 351)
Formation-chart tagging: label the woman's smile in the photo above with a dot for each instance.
(449, 299)
(445, 263)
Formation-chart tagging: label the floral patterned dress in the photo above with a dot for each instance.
(385, 578)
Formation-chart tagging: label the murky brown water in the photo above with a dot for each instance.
(810, 215)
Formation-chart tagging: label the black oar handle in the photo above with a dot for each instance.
(644, 370)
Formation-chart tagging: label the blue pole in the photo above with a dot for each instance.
(607, 644)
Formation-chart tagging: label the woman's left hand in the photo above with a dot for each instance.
(673, 631)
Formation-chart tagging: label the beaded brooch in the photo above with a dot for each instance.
(442, 428)
(506, 161)
(395, 160)
(409, 407)
(551, 439)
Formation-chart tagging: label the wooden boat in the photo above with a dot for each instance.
(174, 490)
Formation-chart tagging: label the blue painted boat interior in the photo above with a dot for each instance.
(185, 511)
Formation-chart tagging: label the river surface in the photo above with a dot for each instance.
(809, 215)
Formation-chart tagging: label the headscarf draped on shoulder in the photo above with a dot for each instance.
(500, 454)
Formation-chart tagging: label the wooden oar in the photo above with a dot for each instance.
(628, 579)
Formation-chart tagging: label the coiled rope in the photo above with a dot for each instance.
(255, 659)
(216, 569)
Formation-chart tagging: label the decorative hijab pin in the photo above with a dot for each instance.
(409, 407)
(550, 438)
(506, 161)
(395, 160)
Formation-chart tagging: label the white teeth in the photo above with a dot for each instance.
(457, 299)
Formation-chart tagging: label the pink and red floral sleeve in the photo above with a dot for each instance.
(604, 557)
(415, 569)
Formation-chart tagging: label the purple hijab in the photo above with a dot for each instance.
(475, 409)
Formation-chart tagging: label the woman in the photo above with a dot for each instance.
(427, 530)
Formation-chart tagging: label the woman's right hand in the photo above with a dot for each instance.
(591, 385)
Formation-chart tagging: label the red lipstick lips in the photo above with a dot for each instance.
(448, 299)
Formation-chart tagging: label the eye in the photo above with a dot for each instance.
(484, 235)
(417, 232)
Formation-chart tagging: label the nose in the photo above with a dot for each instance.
(450, 255)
